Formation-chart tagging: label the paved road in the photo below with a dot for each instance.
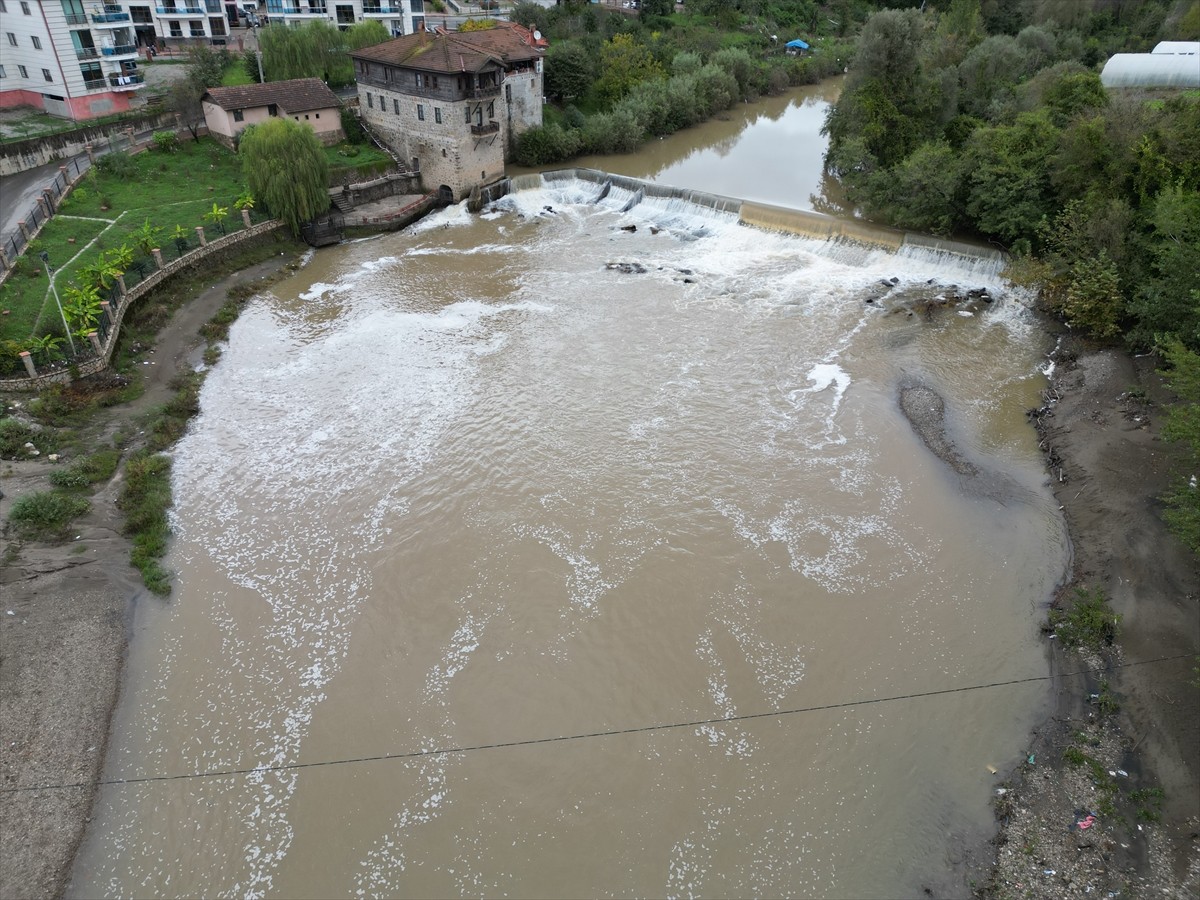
(19, 193)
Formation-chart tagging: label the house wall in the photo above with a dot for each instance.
(446, 153)
(326, 123)
(524, 97)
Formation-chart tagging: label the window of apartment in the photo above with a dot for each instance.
(25, 8)
(196, 28)
(93, 76)
(73, 12)
(37, 42)
(12, 38)
(420, 112)
(420, 79)
(3, 7)
(24, 71)
(46, 74)
(3, 74)
(396, 106)
(176, 30)
(437, 114)
(238, 116)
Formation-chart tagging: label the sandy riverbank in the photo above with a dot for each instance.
(62, 650)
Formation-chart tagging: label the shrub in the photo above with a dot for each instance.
(166, 141)
(90, 470)
(46, 514)
(14, 435)
(1087, 622)
(117, 164)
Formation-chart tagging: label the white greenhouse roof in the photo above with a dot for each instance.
(1186, 48)
(1169, 70)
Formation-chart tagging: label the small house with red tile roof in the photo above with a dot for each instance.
(228, 110)
(451, 103)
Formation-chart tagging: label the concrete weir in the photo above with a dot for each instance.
(805, 223)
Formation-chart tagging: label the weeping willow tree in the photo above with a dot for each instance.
(316, 50)
(286, 170)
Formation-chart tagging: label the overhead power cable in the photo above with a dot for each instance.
(564, 738)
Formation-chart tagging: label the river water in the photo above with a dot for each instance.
(526, 554)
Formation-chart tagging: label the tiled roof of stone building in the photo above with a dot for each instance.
(295, 96)
(459, 51)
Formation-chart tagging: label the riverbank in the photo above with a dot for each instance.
(1121, 745)
(64, 628)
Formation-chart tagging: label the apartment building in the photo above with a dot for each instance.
(398, 16)
(72, 59)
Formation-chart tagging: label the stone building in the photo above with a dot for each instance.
(449, 104)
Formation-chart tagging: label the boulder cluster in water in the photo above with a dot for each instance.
(926, 299)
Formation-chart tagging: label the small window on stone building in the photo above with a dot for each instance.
(468, 112)
(508, 92)
(492, 109)
(443, 151)
(306, 117)
(237, 115)
(437, 114)
(396, 106)
(370, 102)
(272, 109)
(420, 112)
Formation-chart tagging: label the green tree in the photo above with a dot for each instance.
(206, 66)
(1008, 185)
(624, 62)
(570, 70)
(1183, 425)
(366, 34)
(314, 50)
(1165, 303)
(286, 170)
(922, 192)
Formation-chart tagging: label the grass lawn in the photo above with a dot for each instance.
(367, 160)
(169, 189)
(236, 74)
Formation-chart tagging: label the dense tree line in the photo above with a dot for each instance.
(615, 81)
(988, 117)
(314, 50)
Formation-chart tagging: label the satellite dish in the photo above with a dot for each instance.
(537, 35)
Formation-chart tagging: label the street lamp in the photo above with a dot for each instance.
(54, 288)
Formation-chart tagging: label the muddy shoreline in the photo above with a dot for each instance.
(64, 627)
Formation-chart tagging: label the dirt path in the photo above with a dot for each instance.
(64, 622)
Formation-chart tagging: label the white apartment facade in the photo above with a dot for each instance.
(69, 58)
(399, 17)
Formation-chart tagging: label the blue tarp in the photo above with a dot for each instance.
(796, 45)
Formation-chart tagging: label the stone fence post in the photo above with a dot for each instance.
(28, 360)
(158, 260)
(200, 235)
(121, 284)
(95, 339)
(90, 155)
(24, 230)
(246, 217)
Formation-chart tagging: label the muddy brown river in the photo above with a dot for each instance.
(580, 548)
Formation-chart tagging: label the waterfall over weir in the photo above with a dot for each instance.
(622, 193)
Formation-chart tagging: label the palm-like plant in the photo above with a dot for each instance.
(82, 306)
(147, 236)
(217, 215)
(41, 346)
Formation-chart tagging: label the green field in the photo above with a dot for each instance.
(169, 189)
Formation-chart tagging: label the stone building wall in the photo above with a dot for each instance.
(445, 153)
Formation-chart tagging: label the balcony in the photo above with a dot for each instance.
(490, 128)
(95, 84)
(110, 16)
(383, 10)
(479, 93)
(76, 20)
(191, 11)
(125, 82)
(87, 53)
(300, 11)
(120, 50)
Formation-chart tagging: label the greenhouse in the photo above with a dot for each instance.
(1173, 64)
